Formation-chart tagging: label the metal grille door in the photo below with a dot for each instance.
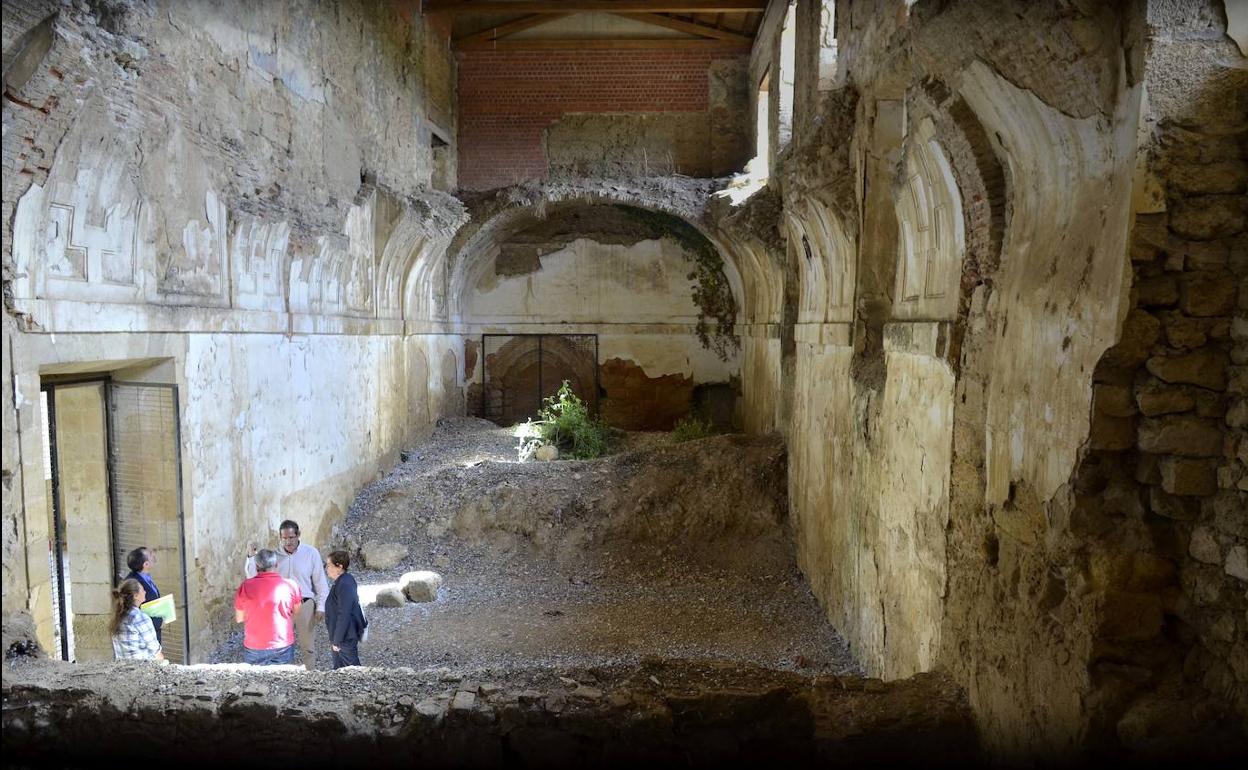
(145, 484)
(522, 369)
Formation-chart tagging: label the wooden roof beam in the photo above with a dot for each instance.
(526, 7)
(502, 30)
(687, 26)
(606, 44)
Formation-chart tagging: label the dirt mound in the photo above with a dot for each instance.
(678, 551)
(464, 488)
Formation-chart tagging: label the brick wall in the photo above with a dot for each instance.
(507, 99)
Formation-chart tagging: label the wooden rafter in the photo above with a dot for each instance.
(502, 30)
(703, 30)
(607, 44)
(526, 7)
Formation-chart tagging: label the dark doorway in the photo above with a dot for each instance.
(522, 369)
(113, 471)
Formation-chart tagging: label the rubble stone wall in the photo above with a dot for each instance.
(661, 714)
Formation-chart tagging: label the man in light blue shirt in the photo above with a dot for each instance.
(300, 563)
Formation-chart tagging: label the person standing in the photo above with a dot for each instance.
(134, 638)
(301, 564)
(140, 562)
(266, 605)
(344, 618)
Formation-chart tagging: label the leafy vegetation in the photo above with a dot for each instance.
(691, 428)
(566, 423)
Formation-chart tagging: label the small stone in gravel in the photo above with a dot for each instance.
(555, 702)
(570, 682)
(430, 708)
(390, 596)
(464, 701)
(587, 693)
(488, 689)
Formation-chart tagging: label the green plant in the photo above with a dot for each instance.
(717, 307)
(565, 421)
(691, 428)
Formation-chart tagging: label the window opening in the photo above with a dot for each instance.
(827, 45)
(788, 61)
(759, 166)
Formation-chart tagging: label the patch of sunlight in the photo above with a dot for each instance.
(744, 185)
(526, 429)
(368, 592)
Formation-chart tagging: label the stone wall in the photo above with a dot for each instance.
(974, 482)
(659, 713)
(1162, 498)
(228, 199)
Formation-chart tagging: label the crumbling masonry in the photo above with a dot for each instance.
(984, 267)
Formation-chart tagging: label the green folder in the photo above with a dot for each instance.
(161, 608)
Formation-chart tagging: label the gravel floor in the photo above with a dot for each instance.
(508, 605)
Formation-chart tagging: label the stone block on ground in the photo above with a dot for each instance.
(390, 596)
(382, 556)
(421, 585)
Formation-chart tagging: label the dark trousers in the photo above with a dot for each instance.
(348, 654)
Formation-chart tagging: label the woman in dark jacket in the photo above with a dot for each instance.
(343, 616)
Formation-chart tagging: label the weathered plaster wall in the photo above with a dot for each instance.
(959, 502)
(232, 197)
(599, 270)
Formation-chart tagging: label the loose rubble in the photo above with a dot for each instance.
(661, 550)
(661, 713)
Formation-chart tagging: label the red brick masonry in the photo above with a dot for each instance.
(508, 98)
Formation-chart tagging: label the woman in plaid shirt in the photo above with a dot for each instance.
(134, 636)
